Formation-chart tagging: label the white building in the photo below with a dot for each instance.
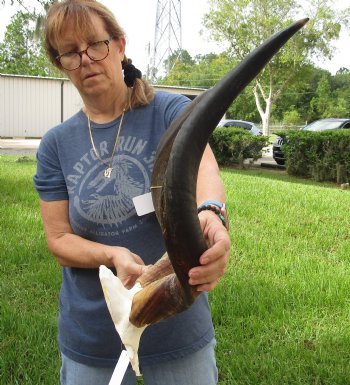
(29, 105)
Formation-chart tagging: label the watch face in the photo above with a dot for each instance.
(224, 213)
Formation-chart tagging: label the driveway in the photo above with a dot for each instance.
(19, 146)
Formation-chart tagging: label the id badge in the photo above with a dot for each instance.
(143, 204)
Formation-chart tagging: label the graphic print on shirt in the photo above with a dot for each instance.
(108, 201)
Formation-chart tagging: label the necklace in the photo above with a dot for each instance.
(108, 171)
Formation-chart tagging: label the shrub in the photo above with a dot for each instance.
(322, 156)
(291, 118)
(233, 145)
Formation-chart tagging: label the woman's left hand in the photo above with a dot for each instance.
(214, 261)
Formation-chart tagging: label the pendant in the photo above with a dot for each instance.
(107, 173)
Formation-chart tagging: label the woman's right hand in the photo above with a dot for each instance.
(72, 250)
(129, 266)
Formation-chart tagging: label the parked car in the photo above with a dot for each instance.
(317, 125)
(249, 126)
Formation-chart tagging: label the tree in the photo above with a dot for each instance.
(341, 88)
(37, 9)
(24, 4)
(332, 96)
(203, 71)
(22, 53)
(322, 98)
(245, 24)
(291, 117)
(180, 55)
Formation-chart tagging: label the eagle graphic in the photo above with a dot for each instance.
(117, 207)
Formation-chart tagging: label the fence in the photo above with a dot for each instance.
(283, 127)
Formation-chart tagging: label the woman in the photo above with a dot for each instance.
(89, 169)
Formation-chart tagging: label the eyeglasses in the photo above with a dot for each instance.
(96, 51)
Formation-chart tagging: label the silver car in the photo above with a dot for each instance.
(249, 126)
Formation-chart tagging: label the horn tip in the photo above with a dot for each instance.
(303, 21)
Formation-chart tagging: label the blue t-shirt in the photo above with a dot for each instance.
(101, 210)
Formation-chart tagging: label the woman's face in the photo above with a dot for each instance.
(94, 78)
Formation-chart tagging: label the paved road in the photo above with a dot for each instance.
(18, 146)
(23, 147)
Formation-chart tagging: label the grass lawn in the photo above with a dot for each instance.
(281, 312)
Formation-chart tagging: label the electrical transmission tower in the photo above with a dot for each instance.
(167, 37)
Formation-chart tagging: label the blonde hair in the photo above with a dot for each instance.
(79, 13)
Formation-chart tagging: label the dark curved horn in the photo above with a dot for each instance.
(175, 175)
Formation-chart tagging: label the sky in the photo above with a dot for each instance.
(137, 18)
